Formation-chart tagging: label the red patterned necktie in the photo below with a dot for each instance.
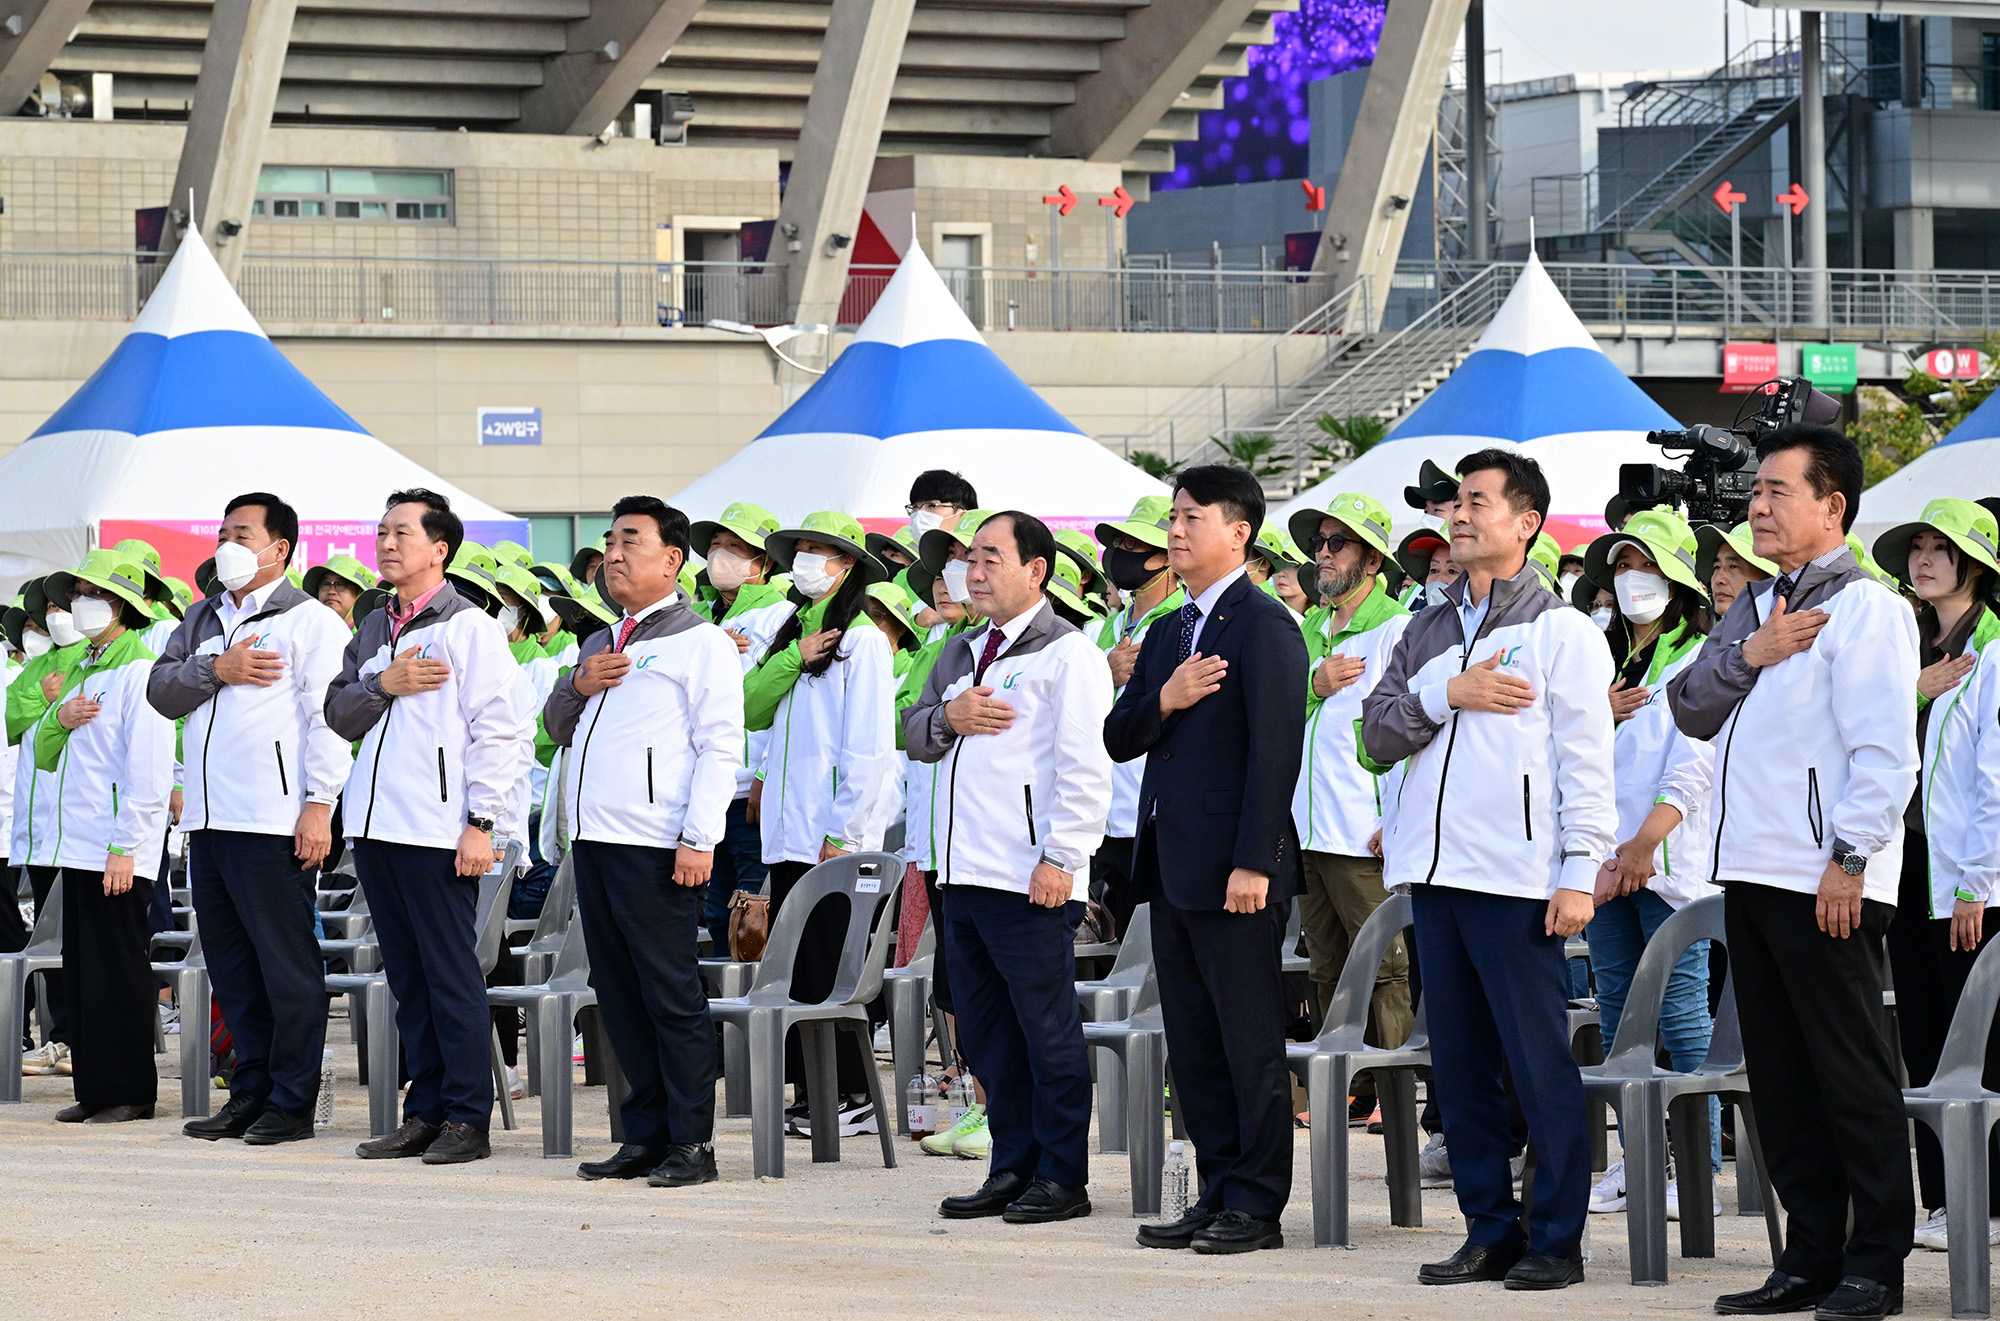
(625, 632)
(994, 637)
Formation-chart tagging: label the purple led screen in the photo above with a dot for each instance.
(1262, 130)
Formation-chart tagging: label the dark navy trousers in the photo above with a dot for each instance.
(259, 934)
(1013, 971)
(640, 929)
(424, 913)
(1496, 990)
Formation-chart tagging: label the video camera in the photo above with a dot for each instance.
(1714, 484)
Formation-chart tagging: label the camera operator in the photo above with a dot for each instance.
(1802, 689)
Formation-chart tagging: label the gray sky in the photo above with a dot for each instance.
(1540, 38)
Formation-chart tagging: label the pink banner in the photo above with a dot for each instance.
(184, 544)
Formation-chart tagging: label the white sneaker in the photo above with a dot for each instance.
(50, 1058)
(1931, 1234)
(1434, 1164)
(856, 1118)
(170, 1021)
(882, 1043)
(1674, 1200)
(514, 1087)
(1608, 1193)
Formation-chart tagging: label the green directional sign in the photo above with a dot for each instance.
(1831, 367)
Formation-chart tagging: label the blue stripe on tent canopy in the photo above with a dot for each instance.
(209, 378)
(1982, 423)
(935, 385)
(1520, 397)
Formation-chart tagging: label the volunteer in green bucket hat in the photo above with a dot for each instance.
(117, 576)
(894, 610)
(940, 548)
(1546, 556)
(583, 613)
(183, 597)
(897, 550)
(132, 548)
(1419, 554)
(739, 572)
(1079, 547)
(584, 564)
(512, 552)
(522, 612)
(1649, 566)
(1065, 592)
(205, 579)
(554, 578)
(828, 530)
(1726, 565)
(1273, 556)
(1964, 533)
(338, 585)
(745, 522)
(471, 572)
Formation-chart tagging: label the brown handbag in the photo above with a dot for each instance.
(749, 926)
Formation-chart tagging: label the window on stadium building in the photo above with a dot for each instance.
(410, 197)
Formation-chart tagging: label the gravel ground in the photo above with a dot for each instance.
(139, 1221)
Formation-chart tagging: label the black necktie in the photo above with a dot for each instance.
(1190, 616)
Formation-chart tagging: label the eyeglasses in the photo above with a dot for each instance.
(1333, 542)
(934, 507)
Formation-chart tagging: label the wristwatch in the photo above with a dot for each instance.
(1849, 861)
(484, 823)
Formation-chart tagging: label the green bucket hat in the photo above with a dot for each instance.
(835, 529)
(1414, 551)
(132, 548)
(1276, 547)
(934, 547)
(1147, 523)
(1065, 588)
(13, 621)
(512, 552)
(1967, 526)
(1711, 536)
(1433, 483)
(372, 600)
(584, 613)
(344, 567)
(1666, 539)
(1871, 568)
(1546, 556)
(1082, 550)
(471, 571)
(108, 570)
(921, 582)
(205, 580)
(749, 521)
(903, 539)
(1363, 515)
(902, 605)
(183, 596)
(576, 560)
(516, 579)
(554, 578)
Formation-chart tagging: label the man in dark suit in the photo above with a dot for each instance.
(1217, 704)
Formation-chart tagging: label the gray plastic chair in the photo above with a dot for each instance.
(1633, 1083)
(1139, 1041)
(538, 957)
(188, 976)
(489, 931)
(1327, 1065)
(1106, 1000)
(730, 979)
(907, 992)
(552, 1007)
(42, 956)
(1956, 1106)
(768, 1013)
(372, 1010)
(1291, 962)
(351, 921)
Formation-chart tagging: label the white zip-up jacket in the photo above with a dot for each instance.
(1338, 803)
(1654, 762)
(1961, 788)
(1040, 789)
(9, 760)
(1517, 804)
(113, 774)
(653, 760)
(1127, 776)
(758, 626)
(1817, 749)
(830, 767)
(253, 757)
(430, 760)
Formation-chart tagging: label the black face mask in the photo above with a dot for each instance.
(1127, 568)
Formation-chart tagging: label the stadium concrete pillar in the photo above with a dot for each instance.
(1812, 161)
(223, 151)
(25, 56)
(828, 184)
(1478, 244)
(608, 55)
(1141, 75)
(1370, 206)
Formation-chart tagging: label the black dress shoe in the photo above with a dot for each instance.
(232, 1121)
(277, 1125)
(1779, 1294)
(1540, 1270)
(412, 1139)
(456, 1144)
(1045, 1200)
(75, 1114)
(686, 1164)
(1176, 1233)
(1472, 1263)
(1237, 1231)
(992, 1198)
(631, 1161)
(1857, 1297)
(120, 1114)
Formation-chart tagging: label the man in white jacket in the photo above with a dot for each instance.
(428, 687)
(1805, 690)
(1497, 701)
(1015, 712)
(248, 669)
(653, 718)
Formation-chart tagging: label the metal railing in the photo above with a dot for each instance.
(1203, 300)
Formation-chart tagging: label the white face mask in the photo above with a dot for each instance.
(954, 581)
(510, 619)
(925, 521)
(811, 576)
(1567, 583)
(236, 564)
(35, 645)
(62, 631)
(1434, 594)
(1642, 597)
(91, 615)
(729, 571)
(1601, 617)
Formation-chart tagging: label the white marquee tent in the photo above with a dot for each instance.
(1966, 463)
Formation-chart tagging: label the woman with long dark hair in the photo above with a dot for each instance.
(826, 690)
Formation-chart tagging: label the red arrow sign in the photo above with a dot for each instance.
(1315, 195)
(1120, 199)
(1795, 198)
(1063, 199)
(1727, 197)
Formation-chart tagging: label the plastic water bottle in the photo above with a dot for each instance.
(920, 1097)
(958, 1098)
(1176, 1177)
(323, 1110)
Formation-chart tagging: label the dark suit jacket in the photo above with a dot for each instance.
(1217, 794)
